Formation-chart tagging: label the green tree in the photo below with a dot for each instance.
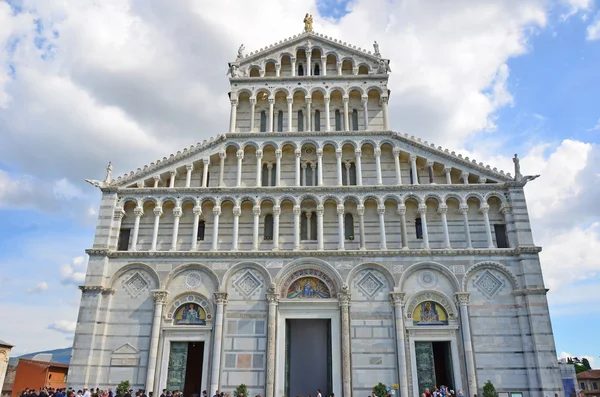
(489, 390)
(241, 391)
(586, 363)
(123, 387)
(380, 390)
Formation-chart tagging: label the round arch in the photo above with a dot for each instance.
(189, 297)
(284, 277)
(373, 266)
(433, 266)
(243, 265)
(490, 265)
(135, 266)
(432, 295)
(190, 266)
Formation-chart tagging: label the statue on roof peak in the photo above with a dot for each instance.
(308, 21)
(376, 48)
(240, 53)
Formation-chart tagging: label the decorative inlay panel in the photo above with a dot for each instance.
(247, 284)
(136, 284)
(488, 284)
(193, 280)
(427, 279)
(398, 269)
(370, 284)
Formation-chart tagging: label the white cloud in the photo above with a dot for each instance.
(74, 272)
(43, 286)
(593, 29)
(595, 127)
(67, 327)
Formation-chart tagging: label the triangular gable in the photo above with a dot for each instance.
(315, 38)
(126, 349)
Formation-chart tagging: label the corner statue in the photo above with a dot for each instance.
(240, 53)
(376, 49)
(518, 176)
(107, 179)
(308, 21)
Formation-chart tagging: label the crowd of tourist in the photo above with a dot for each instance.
(443, 391)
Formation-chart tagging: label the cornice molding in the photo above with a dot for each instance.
(295, 254)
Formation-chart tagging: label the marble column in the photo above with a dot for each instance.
(339, 68)
(304, 167)
(173, 175)
(160, 300)
(365, 105)
(277, 69)
(308, 63)
(276, 214)
(357, 154)
(216, 214)
(398, 302)
(138, 212)
(221, 301)
(506, 211)
(308, 225)
(345, 99)
(377, 153)
(278, 155)
(308, 114)
(252, 113)
(413, 169)
(157, 214)
(430, 171)
(465, 327)
(240, 157)
(324, 66)
(156, 180)
(344, 302)
(177, 213)
(341, 235)
(237, 211)
(269, 173)
(347, 166)
(423, 213)
(443, 210)
(384, 109)
(272, 300)
(259, 155)
(381, 212)
(320, 167)
(205, 172)
(485, 209)
(233, 115)
(396, 152)
(293, 61)
(256, 213)
(327, 116)
(320, 213)
(290, 101)
(271, 114)
(464, 210)
(338, 158)
(360, 209)
(465, 177)
(297, 213)
(447, 171)
(403, 232)
(222, 156)
(298, 154)
(188, 175)
(197, 214)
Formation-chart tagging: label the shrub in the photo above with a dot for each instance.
(489, 390)
(241, 390)
(123, 387)
(380, 390)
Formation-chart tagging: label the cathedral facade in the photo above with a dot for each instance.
(312, 247)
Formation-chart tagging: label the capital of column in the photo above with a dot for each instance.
(340, 209)
(222, 154)
(308, 214)
(344, 299)
(138, 211)
(197, 210)
(252, 101)
(383, 100)
(297, 210)
(220, 298)
(377, 152)
(259, 154)
(256, 210)
(304, 165)
(271, 101)
(298, 153)
(326, 99)
(234, 103)
(401, 209)
(396, 151)
(319, 152)
(156, 178)
(464, 176)
(269, 166)
(272, 298)
(240, 154)
(482, 180)
(463, 209)
(308, 100)
(505, 209)
(276, 210)
(364, 99)
(484, 208)
(447, 169)
(320, 210)
(345, 99)
(381, 209)
(398, 298)
(430, 163)
(442, 209)
(347, 164)
(360, 210)
(338, 153)
(206, 161)
(292, 59)
(160, 296)
(413, 157)
(278, 153)
(189, 167)
(339, 64)
(217, 210)
(237, 211)
(289, 100)
(118, 214)
(357, 153)
(177, 212)
(422, 208)
(158, 211)
(463, 298)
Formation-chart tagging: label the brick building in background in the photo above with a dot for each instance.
(35, 374)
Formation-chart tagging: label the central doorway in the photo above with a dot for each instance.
(308, 357)
(186, 360)
(434, 365)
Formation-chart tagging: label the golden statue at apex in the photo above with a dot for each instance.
(308, 21)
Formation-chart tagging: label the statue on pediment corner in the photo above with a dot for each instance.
(308, 23)
(233, 70)
(383, 66)
(240, 53)
(107, 179)
(376, 49)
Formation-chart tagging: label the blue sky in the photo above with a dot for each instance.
(83, 83)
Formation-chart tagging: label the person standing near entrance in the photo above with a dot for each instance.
(319, 393)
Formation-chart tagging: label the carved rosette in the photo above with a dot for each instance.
(160, 297)
(221, 298)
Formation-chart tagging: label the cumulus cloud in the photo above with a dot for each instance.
(43, 286)
(593, 29)
(63, 326)
(74, 272)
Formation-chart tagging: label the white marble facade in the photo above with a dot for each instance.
(311, 180)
